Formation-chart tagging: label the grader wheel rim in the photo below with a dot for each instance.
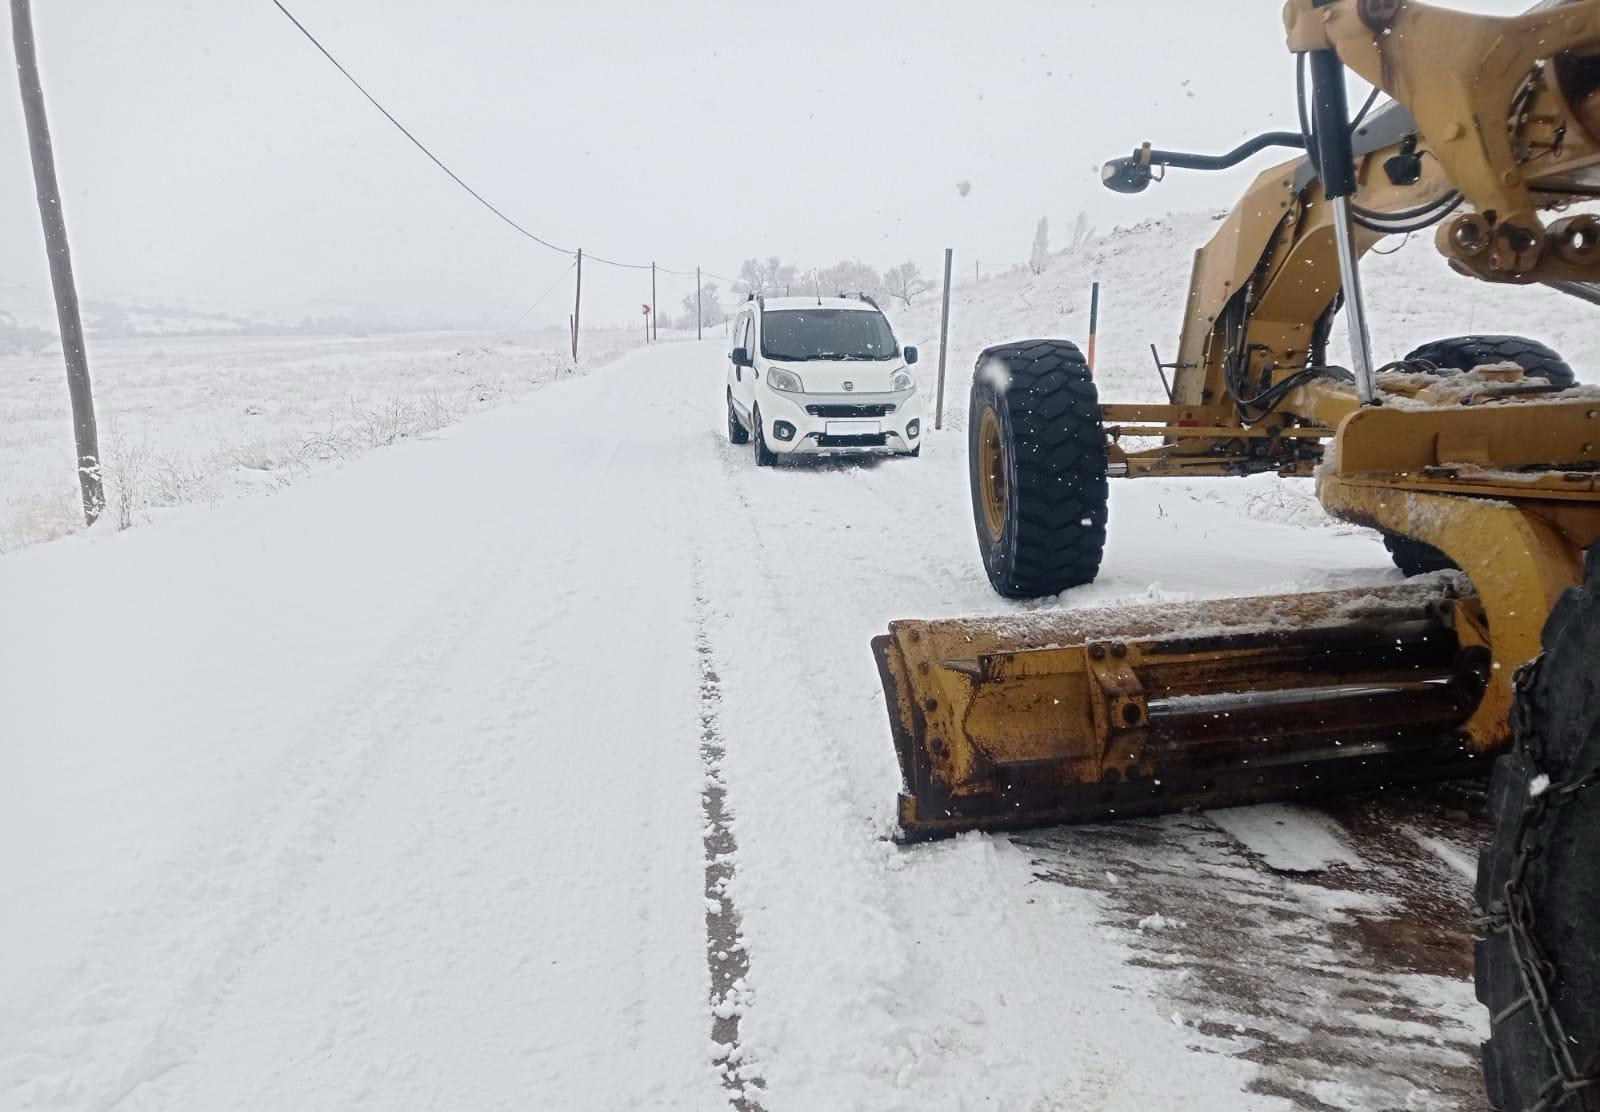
(991, 474)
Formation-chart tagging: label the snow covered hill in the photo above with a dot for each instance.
(1144, 274)
(28, 320)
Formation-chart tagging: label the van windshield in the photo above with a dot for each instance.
(798, 334)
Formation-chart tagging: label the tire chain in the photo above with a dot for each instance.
(1513, 915)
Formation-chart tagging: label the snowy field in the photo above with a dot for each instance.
(198, 419)
(538, 759)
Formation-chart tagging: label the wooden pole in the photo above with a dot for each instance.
(944, 340)
(1094, 323)
(577, 306)
(655, 329)
(699, 313)
(55, 240)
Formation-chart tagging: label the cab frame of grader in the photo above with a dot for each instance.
(1076, 715)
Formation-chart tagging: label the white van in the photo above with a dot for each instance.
(820, 374)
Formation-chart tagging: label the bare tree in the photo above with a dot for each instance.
(1039, 258)
(850, 277)
(710, 307)
(765, 276)
(1082, 233)
(905, 282)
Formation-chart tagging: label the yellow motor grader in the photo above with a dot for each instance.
(1476, 457)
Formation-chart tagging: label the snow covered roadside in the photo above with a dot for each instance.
(386, 791)
(199, 419)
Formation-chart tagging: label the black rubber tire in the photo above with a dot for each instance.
(1053, 453)
(1413, 557)
(737, 433)
(1563, 878)
(916, 452)
(1463, 353)
(765, 456)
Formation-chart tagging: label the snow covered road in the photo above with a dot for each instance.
(396, 790)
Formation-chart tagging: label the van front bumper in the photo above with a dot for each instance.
(795, 424)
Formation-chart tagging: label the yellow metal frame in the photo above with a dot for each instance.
(1510, 489)
(999, 722)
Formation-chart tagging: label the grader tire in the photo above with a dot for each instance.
(1541, 870)
(1413, 557)
(1463, 353)
(1037, 460)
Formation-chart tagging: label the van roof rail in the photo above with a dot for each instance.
(860, 296)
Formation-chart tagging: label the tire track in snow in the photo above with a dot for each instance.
(1349, 989)
(727, 960)
(156, 974)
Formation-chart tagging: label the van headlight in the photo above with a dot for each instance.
(900, 382)
(787, 381)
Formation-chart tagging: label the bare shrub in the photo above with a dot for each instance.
(124, 464)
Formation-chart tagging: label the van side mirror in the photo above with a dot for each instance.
(911, 355)
(741, 357)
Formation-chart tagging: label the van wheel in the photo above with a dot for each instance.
(737, 433)
(1036, 455)
(765, 457)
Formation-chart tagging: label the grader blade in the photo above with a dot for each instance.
(1080, 715)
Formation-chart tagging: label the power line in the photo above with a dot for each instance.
(414, 140)
(526, 313)
(479, 197)
(529, 310)
(613, 262)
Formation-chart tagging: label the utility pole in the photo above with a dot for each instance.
(55, 241)
(577, 306)
(655, 329)
(699, 316)
(1094, 323)
(944, 338)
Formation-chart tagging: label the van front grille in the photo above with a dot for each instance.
(842, 411)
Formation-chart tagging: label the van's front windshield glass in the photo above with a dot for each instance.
(798, 334)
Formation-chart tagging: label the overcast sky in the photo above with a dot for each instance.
(209, 155)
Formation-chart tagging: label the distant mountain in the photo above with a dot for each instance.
(16, 337)
(28, 321)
